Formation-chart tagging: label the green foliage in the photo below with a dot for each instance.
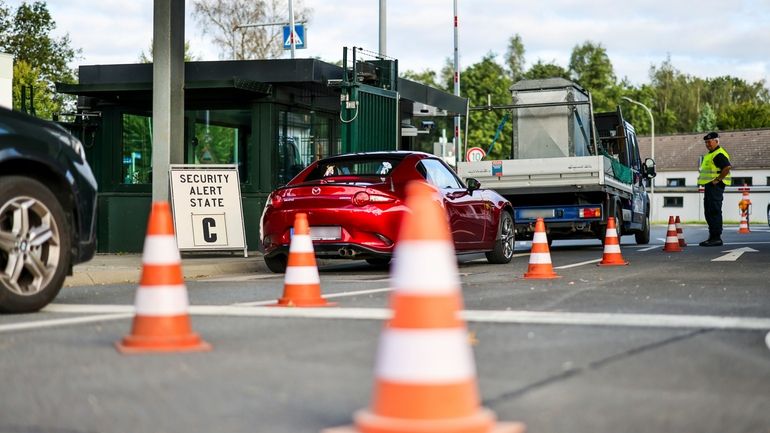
(189, 56)
(590, 66)
(707, 120)
(514, 58)
(40, 59)
(427, 77)
(541, 70)
(482, 80)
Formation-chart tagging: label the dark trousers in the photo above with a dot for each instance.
(712, 208)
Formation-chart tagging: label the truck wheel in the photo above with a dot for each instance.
(505, 242)
(34, 245)
(276, 263)
(643, 236)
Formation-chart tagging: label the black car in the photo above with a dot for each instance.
(47, 210)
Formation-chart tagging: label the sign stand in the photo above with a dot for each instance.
(206, 203)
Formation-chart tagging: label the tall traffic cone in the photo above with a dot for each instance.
(540, 266)
(161, 323)
(425, 376)
(744, 227)
(302, 285)
(612, 256)
(679, 232)
(672, 241)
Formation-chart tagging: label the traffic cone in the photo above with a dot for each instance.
(744, 227)
(679, 232)
(302, 285)
(540, 266)
(672, 241)
(161, 323)
(425, 375)
(612, 256)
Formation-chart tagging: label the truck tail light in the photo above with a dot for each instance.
(590, 212)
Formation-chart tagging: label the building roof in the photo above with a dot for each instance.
(749, 149)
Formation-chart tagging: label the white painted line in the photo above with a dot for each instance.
(747, 243)
(38, 324)
(653, 247)
(479, 316)
(89, 308)
(574, 265)
(359, 292)
(327, 296)
(767, 340)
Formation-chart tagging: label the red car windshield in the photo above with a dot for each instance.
(380, 167)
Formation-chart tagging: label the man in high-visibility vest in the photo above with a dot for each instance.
(714, 176)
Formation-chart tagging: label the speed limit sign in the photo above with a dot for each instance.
(475, 154)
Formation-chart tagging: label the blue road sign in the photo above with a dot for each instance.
(299, 37)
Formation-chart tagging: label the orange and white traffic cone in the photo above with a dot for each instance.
(302, 285)
(540, 266)
(425, 375)
(744, 227)
(679, 232)
(672, 241)
(612, 256)
(161, 323)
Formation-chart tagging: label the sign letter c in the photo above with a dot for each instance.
(209, 223)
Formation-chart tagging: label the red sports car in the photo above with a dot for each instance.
(355, 203)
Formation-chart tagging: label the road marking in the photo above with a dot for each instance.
(37, 324)
(650, 248)
(574, 265)
(733, 255)
(326, 296)
(476, 316)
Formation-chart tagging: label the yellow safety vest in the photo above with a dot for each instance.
(709, 171)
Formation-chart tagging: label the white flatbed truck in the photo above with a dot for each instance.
(568, 165)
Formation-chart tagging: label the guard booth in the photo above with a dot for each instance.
(271, 118)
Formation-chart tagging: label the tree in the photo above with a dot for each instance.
(427, 77)
(222, 18)
(590, 66)
(541, 70)
(514, 58)
(707, 121)
(189, 56)
(483, 79)
(40, 59)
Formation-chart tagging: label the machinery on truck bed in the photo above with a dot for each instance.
(568, 165)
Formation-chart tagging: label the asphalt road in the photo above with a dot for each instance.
(673, 342)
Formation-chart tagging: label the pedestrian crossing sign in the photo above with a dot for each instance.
(299, 37)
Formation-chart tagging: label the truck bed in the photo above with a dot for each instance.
(546, 175)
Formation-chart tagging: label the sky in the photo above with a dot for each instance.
(705, 38)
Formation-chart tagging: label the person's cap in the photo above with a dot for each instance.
(710, 136)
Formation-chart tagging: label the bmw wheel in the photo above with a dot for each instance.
(34, 245)
(505, 242)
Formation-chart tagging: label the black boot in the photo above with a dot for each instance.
(711, 242)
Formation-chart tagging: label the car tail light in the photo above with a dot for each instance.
(276, 200)
(362, 198)
(591, 212)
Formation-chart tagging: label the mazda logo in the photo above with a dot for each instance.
(316, 190)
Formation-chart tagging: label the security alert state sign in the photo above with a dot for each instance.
(207, 207)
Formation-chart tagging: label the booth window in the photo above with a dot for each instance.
(303, 137)
(136, 149)
(221, 137)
